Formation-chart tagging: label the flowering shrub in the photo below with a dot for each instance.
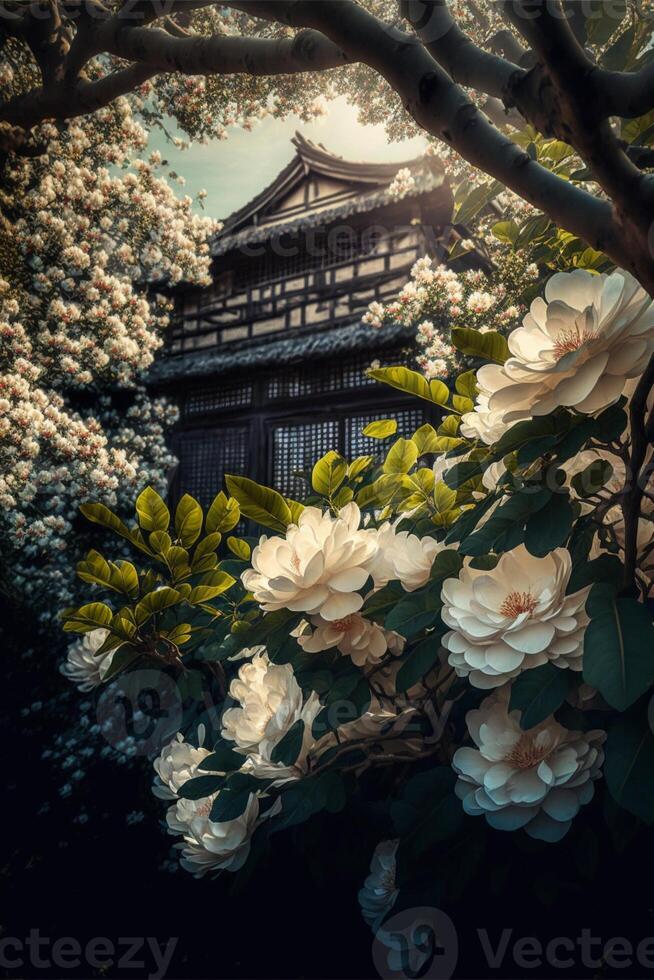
(86, 225)
(438, 300)
(364, 632)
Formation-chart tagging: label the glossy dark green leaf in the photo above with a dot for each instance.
(618, 647)
(537, 693)
(417, 663)
(288, 748)
(550, 526)
(629, 763)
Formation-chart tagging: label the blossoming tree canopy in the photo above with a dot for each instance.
(85, 225)
(470, 607)
(552, 106)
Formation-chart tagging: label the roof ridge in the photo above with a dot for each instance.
(309, 155)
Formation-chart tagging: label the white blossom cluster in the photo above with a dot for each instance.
(436, 298)
(403, 182)
(84, 229)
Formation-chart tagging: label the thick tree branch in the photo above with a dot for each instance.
(442, 109)
(65, 102)
(451, 47)
(200, 55)
(625, 94)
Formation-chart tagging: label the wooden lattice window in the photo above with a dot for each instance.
(296, 447)
(218, 397)
(205, 457)
(356, 444)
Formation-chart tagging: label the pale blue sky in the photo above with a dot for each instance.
(232, 171)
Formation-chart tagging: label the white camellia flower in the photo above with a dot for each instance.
(271, 702)
(82, 665)
(535, 779)
(403, 556)
(211, 846)
(578, 347)
(176, 764)
(356, 637)
(483, 424)
(317, 568)
(379, 892)
(208, 845)
(513, 618)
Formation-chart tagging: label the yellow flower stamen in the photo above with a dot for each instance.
(517, 603)
(526, 753)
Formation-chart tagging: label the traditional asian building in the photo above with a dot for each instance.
(268, 363)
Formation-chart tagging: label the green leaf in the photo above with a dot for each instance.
(160, 542)
(550, 526)
(593, 478)
(402, 455)
(447, 564)
(418, 663)
(229, 804)
(505, 231)
(466, 385)
(440, 393)
(425, 439)
(204, 556)
(522, 432)
(491, 346)
(100, 514)
(223, 759)
(403, 379)
(444, 498)
(462, 404)
(606, 568)
(460, 473)
(288, 749)
(188, 520)
(260, 504)
(212, 585)
(240, 548)
(629, 763)
(438, 816)
(223, 514)
(199, 787)
(328, 474)
(507, 519)
(618, 646)
(92, 616)
(152, 512)
(538, 692)
(380, 429)
(418, 611)
(302, 800)
(156, 602)
(358, 466)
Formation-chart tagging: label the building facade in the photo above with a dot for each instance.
(268, 363)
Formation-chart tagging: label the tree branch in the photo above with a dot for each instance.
(626, 94)
(634, 488)
(442, 109)
(451, 47)
(221, 55)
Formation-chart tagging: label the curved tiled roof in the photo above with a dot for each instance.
(240, 227)
(286, 350)
(425, 182)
